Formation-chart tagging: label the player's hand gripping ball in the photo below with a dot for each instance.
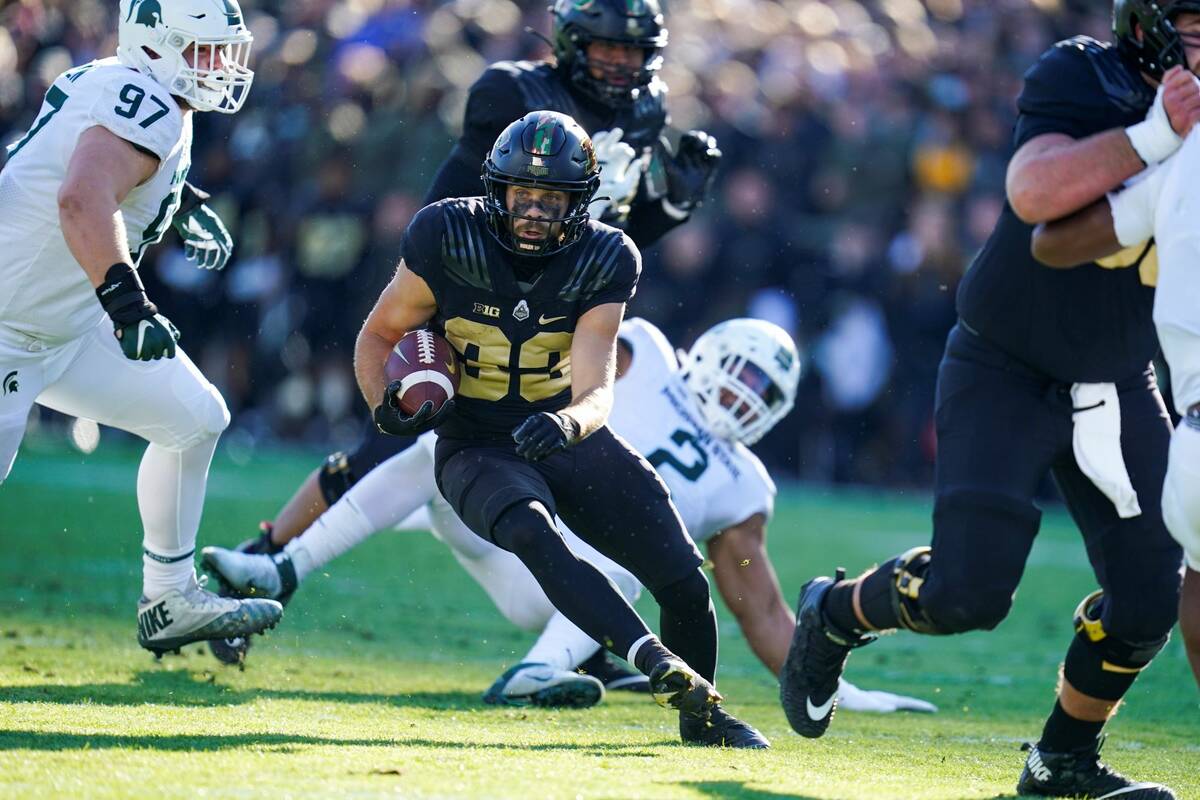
(423, 375)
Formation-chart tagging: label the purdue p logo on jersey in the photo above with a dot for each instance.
(521, 312)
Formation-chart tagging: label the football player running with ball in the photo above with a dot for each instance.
(531, 293)
(1046, 371)
(94, 182)
(693, 421)
(608, 54)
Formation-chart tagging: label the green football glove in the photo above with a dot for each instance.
(205, 238)
(144, 334)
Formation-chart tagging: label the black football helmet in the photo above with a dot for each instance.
(541, 150)
(637, 23)
(1160, 47)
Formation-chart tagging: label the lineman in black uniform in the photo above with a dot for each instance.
(605, 75)
(530, 293)
(1046, 371)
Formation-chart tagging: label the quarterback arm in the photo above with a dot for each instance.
(406, 304)
(103, 170)
(749, 587)
(593, 364)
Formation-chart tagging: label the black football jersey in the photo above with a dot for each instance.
(508, 90)
(1092, 323)
(514, 338)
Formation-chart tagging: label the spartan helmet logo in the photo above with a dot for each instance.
(145, 12)
(10, 383)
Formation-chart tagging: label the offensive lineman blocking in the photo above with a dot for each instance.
(96, 180)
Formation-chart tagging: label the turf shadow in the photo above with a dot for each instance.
(738, 790)
(185, 688)
(57, 741)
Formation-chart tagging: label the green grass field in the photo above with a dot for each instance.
(371, 685)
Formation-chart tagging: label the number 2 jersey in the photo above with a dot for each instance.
(714, 483)
(511, 318)
(44, 293)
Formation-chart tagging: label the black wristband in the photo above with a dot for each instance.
(123, 297)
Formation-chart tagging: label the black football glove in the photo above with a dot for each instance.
(544, 434)
(144, 334)
(391, 420)
(690, 169)
(205, 238)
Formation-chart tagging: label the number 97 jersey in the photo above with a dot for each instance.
(44, 293)
(715, 483)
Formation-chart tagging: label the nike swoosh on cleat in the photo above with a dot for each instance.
(544, 320)
(818, 713)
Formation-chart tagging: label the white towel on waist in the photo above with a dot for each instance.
(1097, 444)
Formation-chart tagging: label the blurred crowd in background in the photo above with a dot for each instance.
(864, 150)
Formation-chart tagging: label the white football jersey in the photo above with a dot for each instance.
(714, 483)
(44, 293)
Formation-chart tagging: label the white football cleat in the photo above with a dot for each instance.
(852, 698)
(180, 617)
(245, 574)
(543, 685)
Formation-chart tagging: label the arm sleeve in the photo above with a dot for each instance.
(494, 102)
(1061, 94)
(139, 111)
(615, 281)
(649, 221)
(422, 244)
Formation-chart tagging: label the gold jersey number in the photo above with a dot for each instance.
(543, 362)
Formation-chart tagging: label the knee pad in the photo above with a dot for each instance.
(335, 477)
(940, 614)
(1110, 654)
(1180, 498)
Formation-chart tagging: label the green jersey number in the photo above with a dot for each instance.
(690, 472)
(131, 97)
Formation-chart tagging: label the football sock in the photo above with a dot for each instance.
(337, 530)
(380, 499)
(562, 645)
(170, 492)
(874, 597)
(648, 653)
(573, 586)
(1064, 732)
(688, 623)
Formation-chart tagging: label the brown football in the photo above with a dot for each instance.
(427, 368)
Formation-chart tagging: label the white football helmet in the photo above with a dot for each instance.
(744, 373)
(198, 50)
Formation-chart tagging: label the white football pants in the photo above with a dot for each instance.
(167, 402)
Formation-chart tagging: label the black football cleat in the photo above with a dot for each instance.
(1081, 774)
(673, 683)
(808, 687)
(720, 729)
(615, 677)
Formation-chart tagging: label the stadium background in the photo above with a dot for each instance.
(864, 143)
